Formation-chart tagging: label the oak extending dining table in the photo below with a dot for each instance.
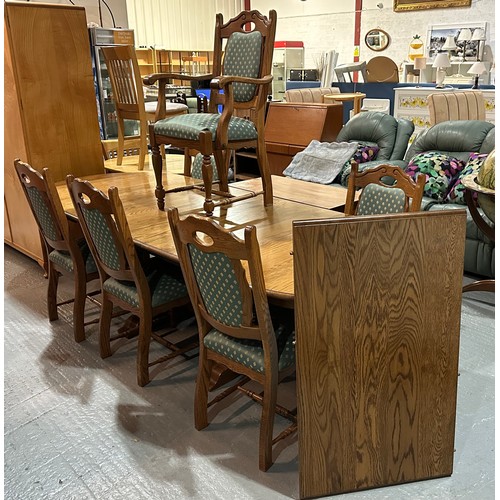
(150, 229)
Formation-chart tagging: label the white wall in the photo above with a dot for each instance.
(324, 25)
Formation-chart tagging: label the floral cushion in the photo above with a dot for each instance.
(440, 171)
(363, 154)
(457, 191)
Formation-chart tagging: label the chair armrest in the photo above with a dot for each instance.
(223, 81)
(157, 77)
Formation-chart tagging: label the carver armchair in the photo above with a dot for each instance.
(243, 75)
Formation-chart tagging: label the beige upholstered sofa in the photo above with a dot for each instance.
(309, 95)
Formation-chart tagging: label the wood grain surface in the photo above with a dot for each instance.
(377, 325)
(150, 229)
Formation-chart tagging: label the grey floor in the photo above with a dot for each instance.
(78, 427)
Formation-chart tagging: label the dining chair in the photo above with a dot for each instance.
(386, 189)
(235, 326)
(128, 96)
(240, 82)
(65, 247)
(131, 279)
(349, 69)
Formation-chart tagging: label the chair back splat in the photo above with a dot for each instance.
(65, 247)
(131, 279)
(386, 189)
(239, 86)
(234, 321)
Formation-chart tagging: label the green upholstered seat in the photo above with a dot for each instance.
(376, 199)
(189, 127)
(64, 260)
(249, 352)
(164, 289)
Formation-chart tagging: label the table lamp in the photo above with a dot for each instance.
(419, 63)
(449, 44)
(441, 62)
(478, 36)
(478, 68)
(463, 37)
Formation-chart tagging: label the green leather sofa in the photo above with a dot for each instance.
(459, 139)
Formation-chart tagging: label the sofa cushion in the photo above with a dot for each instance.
(366, 152)
(457, 191)
(439, 169)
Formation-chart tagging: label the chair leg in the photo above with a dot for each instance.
(267, 423)
(207, 173)
(104, 327)
(143, 149)
(79, 309)
(53, 276)
(264, 171)
(202, 387)
(145, 326)
(222, 163)
(121, 141)
(157, 167)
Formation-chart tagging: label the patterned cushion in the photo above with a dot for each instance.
(196, 171)
(457, 191)
(64, 260)
(242, 58)
(250, 352)
(102, 238)
(164, 288)
(43, 215)
(218, 286)
(189, 127)
(439, 170)
(376, 199)
(364, 154)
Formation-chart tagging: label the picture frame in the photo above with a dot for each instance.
(407, 5)
(436, 36)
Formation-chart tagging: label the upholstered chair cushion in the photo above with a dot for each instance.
(250, 352)
(171, 107)
(189, 127)
(376, 199)
(439, 169)
(242, 58)
(64, 260)
(218, 286)
(163, 287)
(43, 214)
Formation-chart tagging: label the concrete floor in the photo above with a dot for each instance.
(78, 427)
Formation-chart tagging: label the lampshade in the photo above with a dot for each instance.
(449, 44)
(420, 62)
(441, 61)
(465, 35)
(478, 35)
(478, 68)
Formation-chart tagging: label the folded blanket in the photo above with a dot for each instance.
(320, 162)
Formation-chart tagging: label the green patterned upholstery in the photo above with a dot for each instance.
(189, 127)
(218, 286)
(242, 58)
(249, 352)
(43, 215)
(102, 237)
(164, 288)
(64, 260)
(377, 199)
(196, 171)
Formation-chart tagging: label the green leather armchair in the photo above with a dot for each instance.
(391, 135)
(459, 139)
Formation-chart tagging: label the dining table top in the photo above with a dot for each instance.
(150, 228)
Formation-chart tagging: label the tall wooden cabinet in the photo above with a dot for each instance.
(50, 115)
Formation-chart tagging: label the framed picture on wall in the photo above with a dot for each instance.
(405, 5)
(466, 50)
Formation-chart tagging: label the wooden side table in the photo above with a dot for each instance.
(470, 187)
(357, 97)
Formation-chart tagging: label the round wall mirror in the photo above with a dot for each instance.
(377, 39)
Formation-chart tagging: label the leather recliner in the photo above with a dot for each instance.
(459, 139)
